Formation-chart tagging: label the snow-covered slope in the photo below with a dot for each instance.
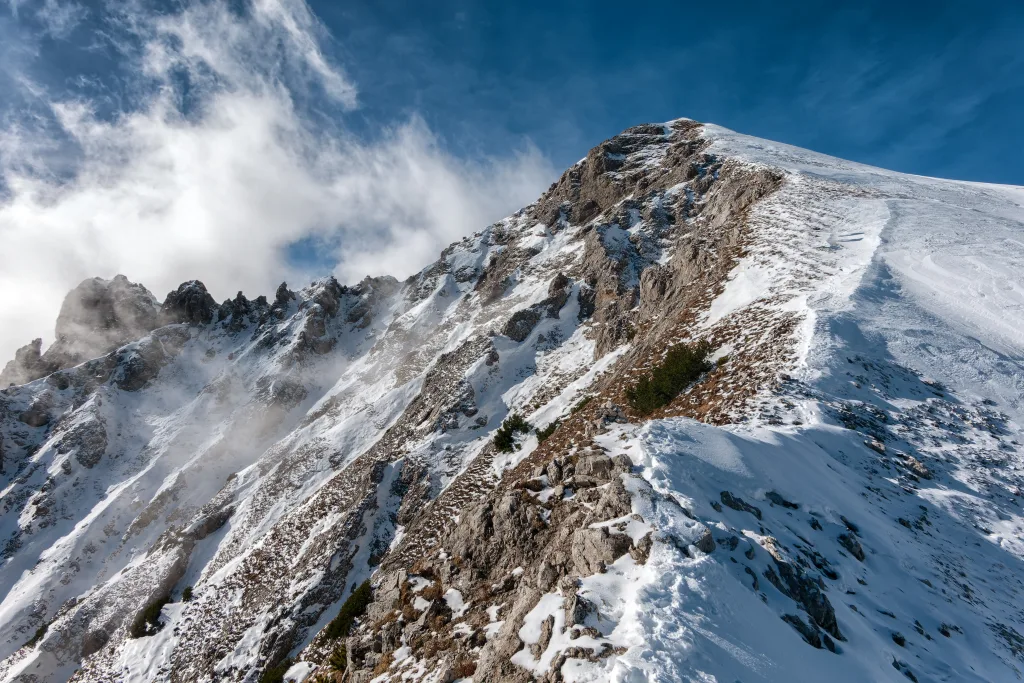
(837, 498)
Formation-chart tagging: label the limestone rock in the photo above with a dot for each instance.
(88, 441)
(96, 317)
(189, 303)
(850, 542)
(810, 634)
(793, 582)
(283, 295)
(522, 322)
(38, 414)
(235, 313)
(593, 549)
(737, 503)
(26, 366)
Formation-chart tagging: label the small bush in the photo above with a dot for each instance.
(582, 404)
(147, 622)
(186, 594)
(516, 423)
(339, 658)
(275, 674)
(38, 635)
(683, 364)
(464, 667)
(504, 437)
(353, 608)
(432, 592)
(386, 660)
(543, 434)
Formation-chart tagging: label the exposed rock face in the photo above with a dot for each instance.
(189, 303)
(234, 312)
(522, 322)
(369, 292)
(87, 440)
(850, 542)
(737, 503)
(792, 581)
(26, 366)
(99, 314)
(95, 318)
(139, 363)
(322, 307)
(38, 413)
(494, 541)
(593, 549)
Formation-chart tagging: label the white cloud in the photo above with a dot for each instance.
(217, 189)
(58, 17)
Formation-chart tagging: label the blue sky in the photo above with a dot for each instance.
(934, 88)
(246, 142)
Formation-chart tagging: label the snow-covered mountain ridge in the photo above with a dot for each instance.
(837, 497)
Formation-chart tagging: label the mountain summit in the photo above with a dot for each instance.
(712, 408)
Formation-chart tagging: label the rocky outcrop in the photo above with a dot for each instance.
(283, 296)
(96, 317)
(86, 440)
(792, 581)
(508, 549)
(321, 307)
(522, 322)
(368, 293)
(38, 414)
(189, 303)
(850, 542)
(593, 549)
(137, 364)
(599, 181)
(239, 312)
(737, 503)
(26, 366)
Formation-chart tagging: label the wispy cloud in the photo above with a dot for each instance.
(234, 148)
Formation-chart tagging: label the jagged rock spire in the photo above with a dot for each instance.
(189, 303)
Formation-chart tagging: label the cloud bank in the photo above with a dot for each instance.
(233, 146)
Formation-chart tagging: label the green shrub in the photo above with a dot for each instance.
(38, 635)
(339, 658)
(517, 423)
(582, 404)
(186, 594)
(543, 434)
(353, 608)
(147, 622)
(275, 674)
(683, 364)
(504, 437)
